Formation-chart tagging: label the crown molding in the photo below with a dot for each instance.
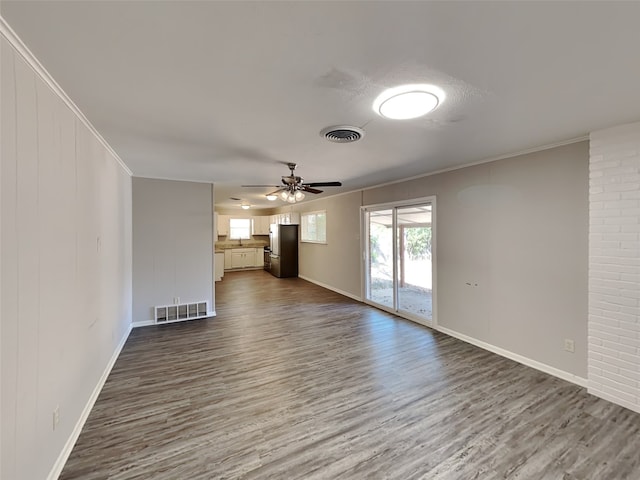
(486, 160)
(19, 46)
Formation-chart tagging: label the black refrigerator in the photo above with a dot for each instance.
(284, 250)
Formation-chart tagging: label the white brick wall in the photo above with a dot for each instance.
(614, 265)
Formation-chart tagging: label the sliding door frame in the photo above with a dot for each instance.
(364, 263)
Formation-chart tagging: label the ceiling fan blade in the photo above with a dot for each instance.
(276, 192)
(307, 188)
(272, 186)
(323, 184)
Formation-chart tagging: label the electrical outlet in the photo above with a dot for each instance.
(56, 417)
(569, 346)
(176, 300)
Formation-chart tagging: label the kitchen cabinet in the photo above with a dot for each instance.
(286, 218)
(243, 257)
(219, 266)
(237, 258)
(259, 257)
(223, 225)
(260, 225)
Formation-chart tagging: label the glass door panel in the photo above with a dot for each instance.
(413, 265)
(380, 268)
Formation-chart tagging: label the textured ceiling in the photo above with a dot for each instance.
(229, 92)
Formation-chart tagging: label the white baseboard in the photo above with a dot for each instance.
(73, 438)
(329, 287)
(556, 372)
(143, 323)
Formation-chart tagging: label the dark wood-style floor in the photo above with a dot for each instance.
(292, 381)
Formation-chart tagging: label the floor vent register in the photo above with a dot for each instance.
(180, 312)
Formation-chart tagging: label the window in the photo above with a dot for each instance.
(239, 228)
(314, 227)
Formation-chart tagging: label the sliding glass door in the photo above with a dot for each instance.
(381, 254)
(399, 255)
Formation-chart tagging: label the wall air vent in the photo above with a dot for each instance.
(180, 312)
(342, 134)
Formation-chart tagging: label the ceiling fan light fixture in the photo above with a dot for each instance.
(408, 101)
(284, 195)
(298, 196)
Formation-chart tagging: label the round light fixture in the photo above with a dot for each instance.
(299, 196)
(284, 195)
(271, 198)
(408, 101)
(245, 206)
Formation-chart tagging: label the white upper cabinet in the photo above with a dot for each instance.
(286, 218)
(260, 225)
(223, 225)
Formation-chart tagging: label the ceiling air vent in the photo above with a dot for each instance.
(342, 134)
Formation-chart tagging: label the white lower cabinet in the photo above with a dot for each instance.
(235, 258)
(243, 257)
(219, 266)
(259, 257)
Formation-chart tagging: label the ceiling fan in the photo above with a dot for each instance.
(293, 187)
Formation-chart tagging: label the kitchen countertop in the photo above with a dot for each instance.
(221, 249)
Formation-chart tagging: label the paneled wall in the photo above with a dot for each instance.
(66, 268)
(614, 265)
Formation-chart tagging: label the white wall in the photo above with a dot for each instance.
(172, 244)
(336, 264)
(66, 268)
(516, 227)
(614, 265)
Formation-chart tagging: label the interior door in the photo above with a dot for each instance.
(399, 256)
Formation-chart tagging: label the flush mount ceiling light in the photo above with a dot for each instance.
(245, 206)
(408, 101)
(271, 197)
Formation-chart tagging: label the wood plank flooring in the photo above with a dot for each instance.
(292, 381)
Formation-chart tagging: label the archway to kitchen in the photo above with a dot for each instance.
(399, 258)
